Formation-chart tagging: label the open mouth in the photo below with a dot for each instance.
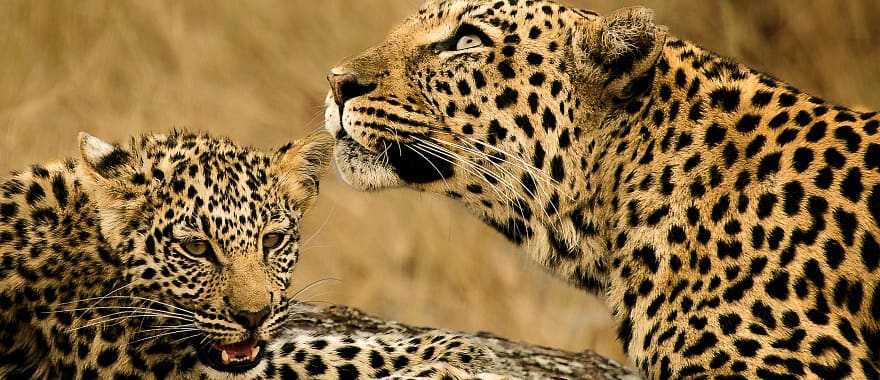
(233, 358)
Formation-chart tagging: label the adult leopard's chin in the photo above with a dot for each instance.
(361, 169)
(357, 166)
(398, 164)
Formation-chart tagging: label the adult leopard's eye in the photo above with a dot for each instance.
(469, 41)
(272, 240)
(197, 248)
(467, 37)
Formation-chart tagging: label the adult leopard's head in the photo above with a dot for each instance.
(208, 229)
(494, 102)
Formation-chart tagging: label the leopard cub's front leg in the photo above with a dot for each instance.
(442, 371)
(429, 356)
(445, 356)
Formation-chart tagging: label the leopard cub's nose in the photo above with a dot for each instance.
(251, 320)
(347, 86)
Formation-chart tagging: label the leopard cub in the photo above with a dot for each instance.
(171, 257)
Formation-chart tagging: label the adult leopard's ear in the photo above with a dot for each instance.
(618, 51)
(300, 165)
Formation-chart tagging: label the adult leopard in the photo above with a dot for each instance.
(730, 221)
(171, 257)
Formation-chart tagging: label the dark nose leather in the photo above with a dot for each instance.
(251, 320)
(347, 86)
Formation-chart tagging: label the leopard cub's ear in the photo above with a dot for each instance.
(107, 170)
(616, 50)
(300, 165)
(102, 160)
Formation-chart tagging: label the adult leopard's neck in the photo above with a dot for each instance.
(692, 116)
(700, 126)
(691, 164)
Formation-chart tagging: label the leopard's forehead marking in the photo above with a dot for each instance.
(438, 20)
(212, 187)
(514, 10)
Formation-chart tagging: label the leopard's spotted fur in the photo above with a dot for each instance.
(730, 220)
(134, 261)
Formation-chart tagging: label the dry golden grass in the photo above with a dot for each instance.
(254, 71)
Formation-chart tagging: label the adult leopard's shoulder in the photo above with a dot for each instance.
(730, 220)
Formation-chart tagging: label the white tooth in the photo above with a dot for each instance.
(255, 352)
(224, 356)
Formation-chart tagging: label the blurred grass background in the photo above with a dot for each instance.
(254, 70)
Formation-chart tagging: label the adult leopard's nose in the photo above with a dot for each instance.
(346, 86)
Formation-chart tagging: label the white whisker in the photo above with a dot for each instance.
(516, 204)
(540, 189)
(471, 168)
(185, 338)
(312, 285)
(129, 297)
(475, 167)
(188, 326)
(439, 173)
(143, 309)
(156, 336)
(319, 230)
(131, 314)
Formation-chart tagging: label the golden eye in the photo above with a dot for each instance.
(272, 240)
(197, 248)
(469, 41)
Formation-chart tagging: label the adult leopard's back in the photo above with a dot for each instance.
(730, 220)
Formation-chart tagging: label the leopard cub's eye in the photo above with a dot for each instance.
(197, 248)
(272, 240)
(469, 41)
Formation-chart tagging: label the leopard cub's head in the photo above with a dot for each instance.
(207, 231)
